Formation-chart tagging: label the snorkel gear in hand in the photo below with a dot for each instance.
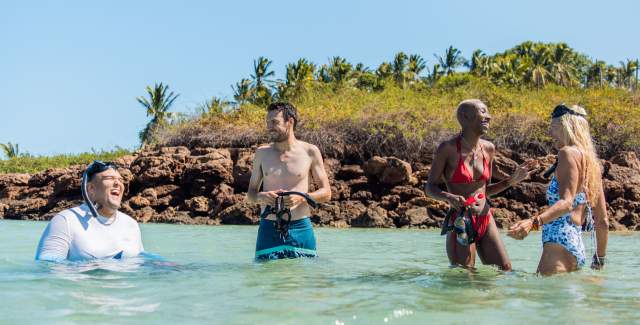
(463, 225)
(280, 211)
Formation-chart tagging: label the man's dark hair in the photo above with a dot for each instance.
(287, 109)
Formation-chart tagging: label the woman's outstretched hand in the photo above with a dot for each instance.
(521, 229)
(522, 171)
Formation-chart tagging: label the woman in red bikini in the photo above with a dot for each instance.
(464, 163)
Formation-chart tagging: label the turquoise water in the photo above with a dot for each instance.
(363, 276)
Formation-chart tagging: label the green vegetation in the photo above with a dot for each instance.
(396, 109)
(32, 164)
(157, 106)
(10, 150)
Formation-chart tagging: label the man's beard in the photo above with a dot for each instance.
(278, 137)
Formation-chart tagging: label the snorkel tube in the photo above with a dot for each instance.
(310, 201)
(85, 196)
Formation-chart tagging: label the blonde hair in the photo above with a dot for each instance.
(575, 131)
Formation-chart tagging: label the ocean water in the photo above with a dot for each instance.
(363, 276)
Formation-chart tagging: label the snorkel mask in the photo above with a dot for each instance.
(95, 167)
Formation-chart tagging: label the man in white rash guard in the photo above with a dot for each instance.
(95, 229)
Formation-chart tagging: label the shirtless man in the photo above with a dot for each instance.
(285, 165)
(464, 163)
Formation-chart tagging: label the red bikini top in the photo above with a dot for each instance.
(462, 175)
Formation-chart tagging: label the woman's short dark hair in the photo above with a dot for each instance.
(287, 109)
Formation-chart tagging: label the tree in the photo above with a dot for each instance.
(157, 106)
(562, 66)
(596, 74)
(337, 72)
(452, 59)
(10, 150)
(242, 91)
(298, 76)
(261, 81)
(415, 66)
(213, 106)
(537, 62)
(398, 67)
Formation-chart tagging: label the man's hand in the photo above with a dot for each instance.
(291, 201)
(268, 198)
(521, 229)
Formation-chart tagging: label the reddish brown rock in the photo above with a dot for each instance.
(348, 172)
(138, 202)
(242, 169)
(198, 205)
(413, 217)
(7, 180)
(350, 210)
(503, 167)
(627, 159)
(373, 217)
(171, 215)
(331, 166)
(529, 193)
(388, 170)
(240, 214)
(143, 215)
(326, 214)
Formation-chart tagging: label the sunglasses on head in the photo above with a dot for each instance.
(98, 166)
(562, 109)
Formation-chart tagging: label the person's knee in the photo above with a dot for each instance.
(505, 266)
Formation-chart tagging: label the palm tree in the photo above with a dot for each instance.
(242, 91)
(537, 60)
(596, 74)
(452, 59)
(261, 81)
(398, 67)
(435, 74)
(338, 72)
(626, 72)
(415, 66)
(384, 71)
(562, 68)
(298, 75)
(365, 78)
(157, 106)
(213, 106)
(10, 150)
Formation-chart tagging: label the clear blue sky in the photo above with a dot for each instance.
(70, 70)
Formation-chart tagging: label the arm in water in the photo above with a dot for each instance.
(55, 241)
(602, 229)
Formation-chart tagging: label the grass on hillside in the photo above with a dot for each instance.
(407, 122)
(34, 164)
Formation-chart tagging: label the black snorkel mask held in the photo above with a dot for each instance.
(282, 224)
(95, 167)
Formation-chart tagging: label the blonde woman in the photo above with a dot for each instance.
(574, 189)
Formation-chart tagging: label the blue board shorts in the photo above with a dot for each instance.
(300, 242)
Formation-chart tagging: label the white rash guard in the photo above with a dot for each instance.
(74, 235)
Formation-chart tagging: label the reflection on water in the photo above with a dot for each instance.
(207, 275)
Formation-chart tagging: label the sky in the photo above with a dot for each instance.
(70, 70)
